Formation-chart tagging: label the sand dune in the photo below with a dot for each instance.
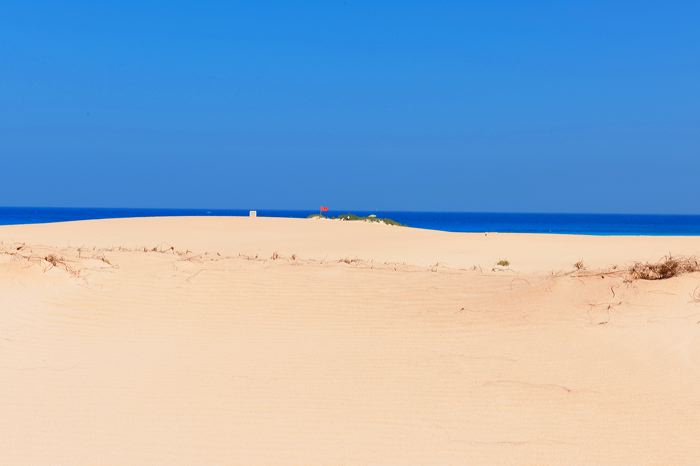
(281, 341)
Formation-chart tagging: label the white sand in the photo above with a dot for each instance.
(206, 355)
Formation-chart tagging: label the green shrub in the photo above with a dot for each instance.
(354, 218)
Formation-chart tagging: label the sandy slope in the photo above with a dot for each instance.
(359, 350)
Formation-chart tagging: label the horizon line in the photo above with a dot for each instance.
(345, 210)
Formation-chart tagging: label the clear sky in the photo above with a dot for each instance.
(579, 106)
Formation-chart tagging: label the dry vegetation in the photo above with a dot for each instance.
(695, 295)
(668, 267)
(58, 261)
(71, 261)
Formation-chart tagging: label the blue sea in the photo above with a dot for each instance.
(589, 224)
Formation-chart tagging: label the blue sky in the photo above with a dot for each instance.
(581, 106)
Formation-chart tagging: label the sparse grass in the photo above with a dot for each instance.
(695, 295)
(503, 263)
(275, 256)
(104, 259)
(579, 265)
(668, 267)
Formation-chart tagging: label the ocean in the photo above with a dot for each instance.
(588, 224)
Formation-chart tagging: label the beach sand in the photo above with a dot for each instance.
(220, 341)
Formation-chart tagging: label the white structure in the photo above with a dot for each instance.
(253, 213)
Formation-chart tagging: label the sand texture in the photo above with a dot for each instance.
(222, 341)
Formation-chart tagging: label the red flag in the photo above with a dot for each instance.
(324, 208)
